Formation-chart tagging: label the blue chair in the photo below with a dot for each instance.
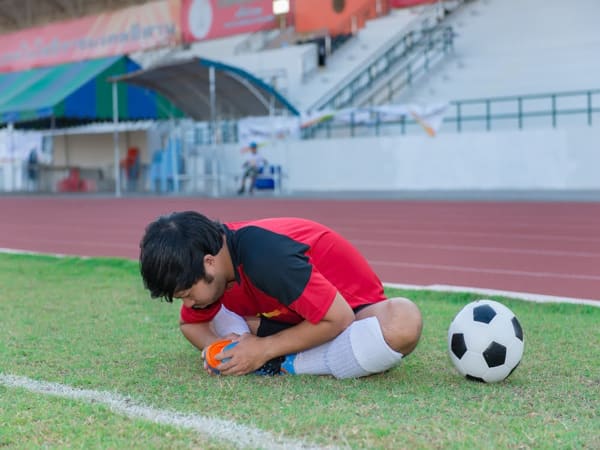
(269, 178)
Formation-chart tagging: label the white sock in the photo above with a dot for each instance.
(360, 350)
(226, 322)
(312, 361)
(340, 358)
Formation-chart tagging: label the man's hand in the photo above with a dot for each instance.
(247, 356)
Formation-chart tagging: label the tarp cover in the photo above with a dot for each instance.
(186, 83)
(77, 93)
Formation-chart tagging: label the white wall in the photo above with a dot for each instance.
(97, 150)
(561, 159)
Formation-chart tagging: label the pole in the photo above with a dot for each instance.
(213, 122)
(117, 162)
(12, 157)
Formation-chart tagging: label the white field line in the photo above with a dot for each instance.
(240, 435)
(538, 298)
(16, 251)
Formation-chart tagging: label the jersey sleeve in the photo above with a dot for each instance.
(191, 315)
(316, 298)
(281, 267)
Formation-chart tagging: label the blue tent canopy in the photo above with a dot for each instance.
(75, 93)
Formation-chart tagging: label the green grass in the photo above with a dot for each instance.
(88, 323)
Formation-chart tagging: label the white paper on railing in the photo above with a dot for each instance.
(430, 117)
(268, 129)
(265, 129)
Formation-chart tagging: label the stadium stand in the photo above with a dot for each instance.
(502, 48)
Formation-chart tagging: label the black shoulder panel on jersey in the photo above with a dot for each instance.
(275, 263)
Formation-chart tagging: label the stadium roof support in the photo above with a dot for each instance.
(187, 84)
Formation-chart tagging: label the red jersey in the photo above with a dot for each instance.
(289, 270)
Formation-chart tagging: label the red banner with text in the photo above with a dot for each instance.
(209, 19)
(120, 32)
(336, 16)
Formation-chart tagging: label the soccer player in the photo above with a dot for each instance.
(296, 296)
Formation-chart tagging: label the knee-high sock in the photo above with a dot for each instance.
(361, 350)
(226, 322)
(308, 362)
(358, 351)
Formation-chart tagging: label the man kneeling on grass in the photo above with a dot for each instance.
(295, 296)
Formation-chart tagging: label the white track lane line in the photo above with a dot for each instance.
(517, 273)
(240, 435)
(538, 298)
(513, 236)
(477, 248)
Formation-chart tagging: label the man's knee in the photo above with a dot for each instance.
(400, 321)
(403, 325)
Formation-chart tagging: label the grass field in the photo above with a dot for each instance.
(88, 324)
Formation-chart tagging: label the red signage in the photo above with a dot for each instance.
(124, 31)
(209, 19)
(336, 16)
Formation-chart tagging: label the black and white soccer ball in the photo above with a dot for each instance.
(485, 341)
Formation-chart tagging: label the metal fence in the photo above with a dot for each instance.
(398, 67)
(550, 110)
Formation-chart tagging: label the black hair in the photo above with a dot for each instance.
(172, 251)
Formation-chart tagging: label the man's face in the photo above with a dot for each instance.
(208, 290)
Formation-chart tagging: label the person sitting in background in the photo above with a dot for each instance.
(251, 167)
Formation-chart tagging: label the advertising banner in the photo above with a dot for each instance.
(336, 16)
(209, 19)
(120, 32)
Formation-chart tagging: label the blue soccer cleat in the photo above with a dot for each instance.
(281, 365)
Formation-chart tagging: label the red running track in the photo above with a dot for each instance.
(535, 247)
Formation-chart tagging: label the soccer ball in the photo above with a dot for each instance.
(485, 341)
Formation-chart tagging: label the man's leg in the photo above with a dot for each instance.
(227, 322)
(400, 321)
(243, 185)
(253, 177)
(382, 334)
